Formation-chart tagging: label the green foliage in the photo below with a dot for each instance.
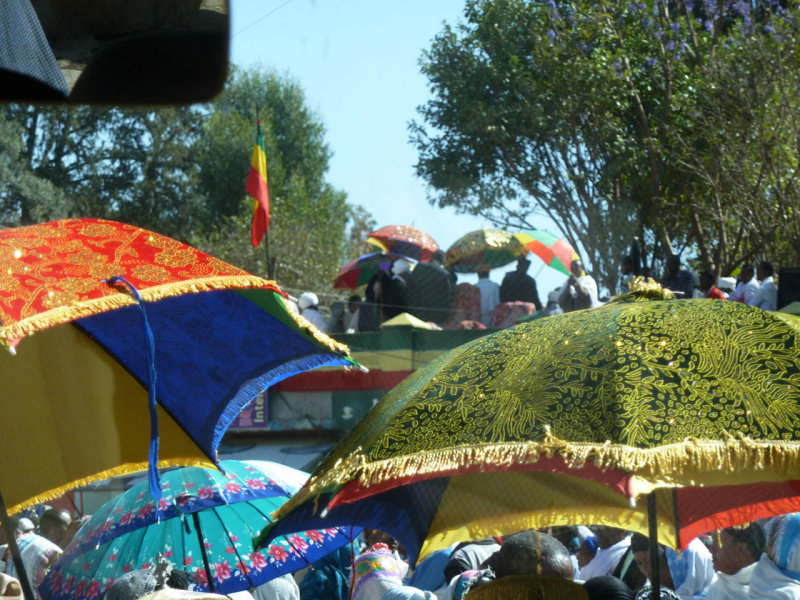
(182, 172)
(607, 116)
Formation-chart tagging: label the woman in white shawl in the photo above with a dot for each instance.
(777, 573)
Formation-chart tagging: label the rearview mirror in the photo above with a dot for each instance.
(117, 52)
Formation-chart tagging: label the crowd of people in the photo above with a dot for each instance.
(756, 561)
(431, 293)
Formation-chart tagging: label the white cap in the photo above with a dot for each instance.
(307, 299)
(25, 525)
(727, 283)
(400, 266)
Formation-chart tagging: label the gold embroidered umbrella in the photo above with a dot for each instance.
(491, 247)
(571, 419)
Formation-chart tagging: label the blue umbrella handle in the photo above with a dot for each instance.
(153, 477)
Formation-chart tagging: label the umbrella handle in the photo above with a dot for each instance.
(203, 552)
(655, 564)
(153, 476)
(11, 536)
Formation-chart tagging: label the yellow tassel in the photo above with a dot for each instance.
(125, 469)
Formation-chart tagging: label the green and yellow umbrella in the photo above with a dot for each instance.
(572, 419)
(491, 247)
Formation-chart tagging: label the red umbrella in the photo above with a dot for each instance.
(406, 240)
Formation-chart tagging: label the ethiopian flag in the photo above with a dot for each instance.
(257, 188)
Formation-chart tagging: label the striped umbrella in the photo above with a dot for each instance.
(554, 251)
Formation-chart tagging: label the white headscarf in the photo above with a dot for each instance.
(400, 266)
(307, 299)
(768, 582)
(692, 571)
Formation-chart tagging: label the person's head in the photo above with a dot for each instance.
(707, 280)
(54, 524)
(607, 587)
(587, 550)
(747, 273)
(673, 265)
(765, 269)
(353, 303)
(307, 300)
(640, 546)
(529, 553)
(626, 264)
(438, 257)
(337, 309)
(375, 573)
(132, 586)
(483, 271)
(523, 264)
(736, 547)
(608, 536)
(576, 268)
(783, 541)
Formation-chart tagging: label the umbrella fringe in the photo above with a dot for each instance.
(126, 469)
(116, 299)
(10, 334)
(671, 465)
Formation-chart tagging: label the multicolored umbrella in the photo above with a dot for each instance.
(567, 419)
(358, 272)
(77, 406)
(406, 240)
(483, 247)
(554, 251)
(204, 524)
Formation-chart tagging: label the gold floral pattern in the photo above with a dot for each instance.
(667, 390)
(55, 272)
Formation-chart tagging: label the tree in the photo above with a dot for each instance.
(130, 165)
(308, 222)
(588, 112)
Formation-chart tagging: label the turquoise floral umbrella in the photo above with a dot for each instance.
(223, 510)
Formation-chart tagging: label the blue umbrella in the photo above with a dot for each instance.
(224, 510)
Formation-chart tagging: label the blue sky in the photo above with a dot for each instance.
(357, 61)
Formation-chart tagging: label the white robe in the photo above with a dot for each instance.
(732, 587)
(606, 560)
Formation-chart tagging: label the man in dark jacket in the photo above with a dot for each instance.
(431, 290)
(518, 286)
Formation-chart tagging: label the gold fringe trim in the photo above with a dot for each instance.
(87, 308)
(125, 469)
(686, 463)
(318, 336)
(644, 289)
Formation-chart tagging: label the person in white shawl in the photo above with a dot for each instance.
(777, 573)
(613, 543)
(735, 551)
(689, 574)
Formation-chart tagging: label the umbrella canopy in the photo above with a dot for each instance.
(406, 240)
(358, 272)
(483, 247)
(554, 251)
(223, 510)
(76, 403)
(564, 420)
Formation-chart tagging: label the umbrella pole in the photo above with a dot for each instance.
(655, 563)
(203, 551)
(11, 537)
